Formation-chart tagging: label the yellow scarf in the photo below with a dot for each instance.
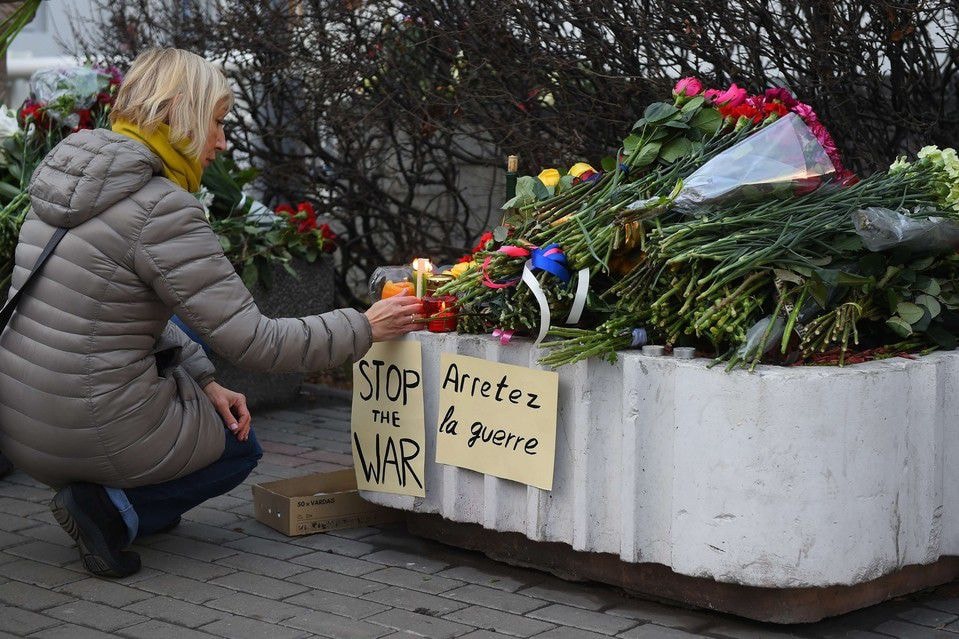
(178, 166)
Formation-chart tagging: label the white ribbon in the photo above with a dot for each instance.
(579, 302)
(533, 284)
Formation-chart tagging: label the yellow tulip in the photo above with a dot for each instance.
(460, 268)
(549, 177)
(579, 168)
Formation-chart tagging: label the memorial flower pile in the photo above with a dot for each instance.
(728, 223)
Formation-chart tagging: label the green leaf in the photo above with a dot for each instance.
(249, 275)
(640, 123)
(922, 264)
(565, 184)
(500, 233)
(680, 147)
(819, 292)
(693, 104)
(225, 243)
(931, 303)
(932, 287)
(707, 120)
(676, 124)
(608, 163)
(899, 327)
(647, 155)
(942, 337)
(909, 312)
(630, 143)
(659, 111)
(289, 269)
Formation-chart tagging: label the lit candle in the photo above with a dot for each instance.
(422, 268)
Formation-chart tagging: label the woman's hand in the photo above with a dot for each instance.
(394, 316)
(232, 408)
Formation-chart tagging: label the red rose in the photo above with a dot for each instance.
(484, 239)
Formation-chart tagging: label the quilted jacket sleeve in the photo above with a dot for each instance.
(192, 358)
(179, 256)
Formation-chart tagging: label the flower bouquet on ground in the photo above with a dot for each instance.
(726, 223)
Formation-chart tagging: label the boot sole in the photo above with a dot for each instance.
(94, 550)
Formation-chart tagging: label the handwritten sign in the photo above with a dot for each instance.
(497, 419)
(388, 430)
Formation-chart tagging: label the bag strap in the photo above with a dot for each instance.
(7, 312)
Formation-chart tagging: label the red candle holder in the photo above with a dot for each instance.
(440, 313)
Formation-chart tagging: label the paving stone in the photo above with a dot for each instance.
(260, 565)
(337, 563)
(488, 634)
(103, 591)
(21, 595)
(750, 630)
(259, 585)
(652, 631)
(335, 582)
(280, 448)
(180, 613)
(194, 548)
(204, 532)
(225, 502)
(584, 619)
(182, 588)
(268, 548)
(406, 560)
(71, 631)
(338, 545)
(356, 533)
(949, 604)
(332, 458)
(272, 472)
(504, 622)
(211, 517)
(44, 552)
(21, 622)
(420, 625)
(328, 625)
(494, 576)
(569, 633)
(344, 606)
(6, 559)
(414, 600)
(39, 574)
(241, 627)
(282, 437)
(183, 566)
(20, 507)
(13, 523)
(906, 630)
(161, 630)
(495, 599)
(255, 607)
(49, 534)
(95, 615)
(28, 493)
(927, 617)
(589, 598)
(415, 580)
(8, 539)
(663, 615)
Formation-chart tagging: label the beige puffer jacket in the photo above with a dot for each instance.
(81, 397)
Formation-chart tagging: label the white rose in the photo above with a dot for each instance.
(8, 123)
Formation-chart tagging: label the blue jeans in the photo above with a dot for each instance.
(157, 507)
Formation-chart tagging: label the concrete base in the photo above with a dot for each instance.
(659, 583)
(790, 479)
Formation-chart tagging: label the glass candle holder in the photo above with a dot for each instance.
(440, 313)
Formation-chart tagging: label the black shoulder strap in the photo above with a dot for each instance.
(7, 312)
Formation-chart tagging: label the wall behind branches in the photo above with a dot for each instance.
(395, 117)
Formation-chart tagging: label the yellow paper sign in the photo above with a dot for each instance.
(497, 419)
(388, 430)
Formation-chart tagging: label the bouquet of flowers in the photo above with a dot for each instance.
(727, 223)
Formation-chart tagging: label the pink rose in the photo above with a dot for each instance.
(711, 95)
(687, 87)
(783, 95)
(733, 96)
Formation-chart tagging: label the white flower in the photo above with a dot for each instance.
(205, 197)
(8, 123)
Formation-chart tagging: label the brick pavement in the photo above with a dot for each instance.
(223, 574)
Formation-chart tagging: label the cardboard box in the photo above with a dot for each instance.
(316, 503)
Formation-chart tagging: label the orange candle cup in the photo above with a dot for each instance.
(391, 288)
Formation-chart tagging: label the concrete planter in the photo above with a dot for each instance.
(309, 294)
(786, 478)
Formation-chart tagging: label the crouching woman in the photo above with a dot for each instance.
(101, 396)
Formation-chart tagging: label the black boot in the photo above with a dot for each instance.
(87, 514)
(5, 466)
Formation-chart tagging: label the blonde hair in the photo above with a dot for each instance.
(175, 87)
